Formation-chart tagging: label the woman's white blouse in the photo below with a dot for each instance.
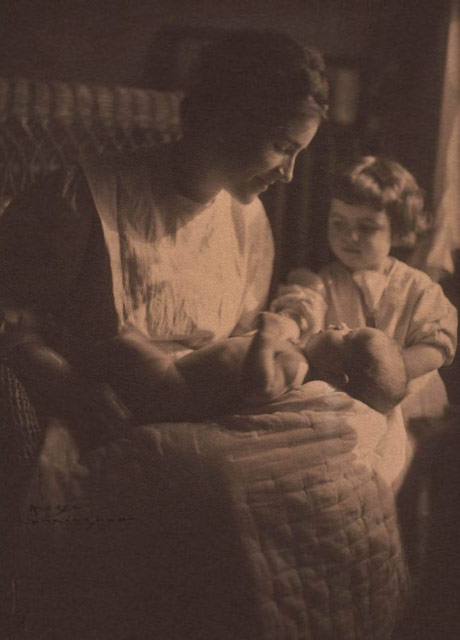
(182, 272)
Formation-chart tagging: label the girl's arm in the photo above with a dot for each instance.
(422, 358)
(432, 332)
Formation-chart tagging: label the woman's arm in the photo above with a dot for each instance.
(59, 389)
(147, 379)
(43, 239)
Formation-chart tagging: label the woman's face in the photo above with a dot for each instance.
(359, 236)
(259, 160)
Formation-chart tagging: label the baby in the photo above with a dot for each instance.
(248, 371)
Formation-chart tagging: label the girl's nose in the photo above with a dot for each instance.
(352, 234)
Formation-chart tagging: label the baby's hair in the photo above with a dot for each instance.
(385, 185)
(376, 371)
(255, 75)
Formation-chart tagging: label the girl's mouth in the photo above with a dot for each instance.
(351, 250)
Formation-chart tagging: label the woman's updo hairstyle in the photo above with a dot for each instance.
(248, 78)
(385, 185)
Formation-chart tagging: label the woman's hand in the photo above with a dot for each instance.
(16, 326)
(59, 470)
(272, 365)
(90, 406)
(93, 410)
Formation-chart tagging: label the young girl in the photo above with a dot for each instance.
(376, 204)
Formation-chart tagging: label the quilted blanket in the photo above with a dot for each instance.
(278, 525)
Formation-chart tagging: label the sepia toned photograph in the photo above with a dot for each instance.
(229, 292)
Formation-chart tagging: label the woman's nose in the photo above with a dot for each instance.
(286, 170)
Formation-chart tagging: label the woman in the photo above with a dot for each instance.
(175, 243)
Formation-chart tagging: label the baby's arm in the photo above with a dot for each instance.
(301, 304)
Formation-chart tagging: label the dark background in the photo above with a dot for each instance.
(108, 41)
(385, 59)
(393, 48)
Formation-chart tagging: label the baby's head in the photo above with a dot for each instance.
(366, 363)
(376, 204)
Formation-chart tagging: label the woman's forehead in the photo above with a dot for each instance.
(297, 130)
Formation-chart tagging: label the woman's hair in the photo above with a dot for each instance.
(376, 371)
(385, 185)
(254, 77)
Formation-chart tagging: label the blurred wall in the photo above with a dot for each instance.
(107, 41)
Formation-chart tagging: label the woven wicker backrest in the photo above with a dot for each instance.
(45, 125)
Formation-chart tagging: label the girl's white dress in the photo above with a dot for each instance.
(404, 303)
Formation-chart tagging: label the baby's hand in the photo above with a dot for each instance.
(304, 306)
(306, 278)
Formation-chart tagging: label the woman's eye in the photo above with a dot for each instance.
(280, 148)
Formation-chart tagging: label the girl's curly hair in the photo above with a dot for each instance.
(385, 185)
(255, 76)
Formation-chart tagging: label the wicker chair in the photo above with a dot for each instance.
(44, 126)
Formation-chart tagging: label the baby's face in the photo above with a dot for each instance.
(328, 350)
(359, 236)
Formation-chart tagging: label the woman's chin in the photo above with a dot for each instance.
(244, 196)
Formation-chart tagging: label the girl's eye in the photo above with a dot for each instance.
(340, 225)
(367, 229)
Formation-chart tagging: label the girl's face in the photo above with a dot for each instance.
(261, 159)
(359, 236)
